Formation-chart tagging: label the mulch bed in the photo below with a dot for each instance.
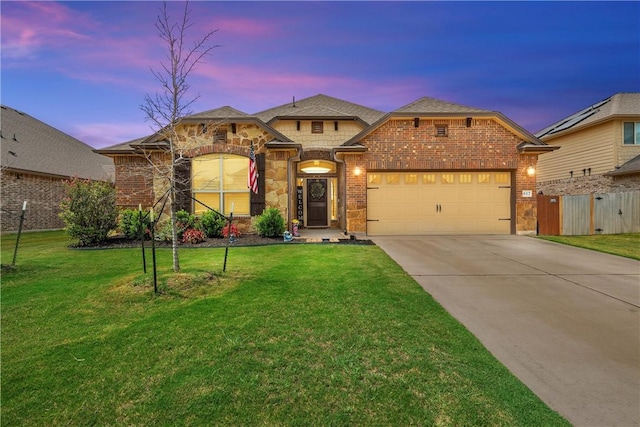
(116, 242)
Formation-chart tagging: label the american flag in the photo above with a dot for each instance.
(252, 182)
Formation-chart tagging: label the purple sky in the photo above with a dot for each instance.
(84, 67)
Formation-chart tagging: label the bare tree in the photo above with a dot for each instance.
(166, 108)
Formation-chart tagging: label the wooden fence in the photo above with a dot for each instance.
(611, 213)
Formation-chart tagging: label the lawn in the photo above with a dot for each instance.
(315, 334)
(626, 245)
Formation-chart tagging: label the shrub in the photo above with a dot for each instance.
(270, 223)
(193, 236)
(212, 224)
(234, 231)
(185, 219)
(89, 210)
(163, 231)
(130, 224)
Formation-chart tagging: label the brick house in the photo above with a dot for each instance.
(36, 160)
(430, 167)
(600, 149)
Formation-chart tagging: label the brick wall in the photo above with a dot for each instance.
(134, 182)
(399, 145)
(43, 195)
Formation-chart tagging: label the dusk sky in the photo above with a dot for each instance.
(84, 67)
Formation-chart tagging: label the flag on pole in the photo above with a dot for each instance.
(253, 171)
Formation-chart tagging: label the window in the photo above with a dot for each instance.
(446, 178)
(429, 178)
(220, 182)
(441, 130)
(375, 178)
(317, 127)
(393, 178)
(411, 178)
(465, 178)
(484, 178)
(502, 178)
(631, 133)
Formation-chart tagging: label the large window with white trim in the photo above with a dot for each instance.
(220, 182)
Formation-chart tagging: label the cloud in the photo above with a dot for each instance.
(104, 134)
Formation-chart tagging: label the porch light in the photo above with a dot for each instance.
(357, 171)
(531, 171)
(316, 167)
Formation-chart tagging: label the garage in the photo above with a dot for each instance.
(438, 202)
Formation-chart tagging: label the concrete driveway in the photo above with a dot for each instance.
(564, 320)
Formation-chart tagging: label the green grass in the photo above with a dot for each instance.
(626, 245)
(293, 335)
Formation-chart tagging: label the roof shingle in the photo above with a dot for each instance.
(33, 146)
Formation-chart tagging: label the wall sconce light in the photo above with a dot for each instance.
(469, 122)
(416, 122)
(531, 171)
(233, 128)
(357, 171)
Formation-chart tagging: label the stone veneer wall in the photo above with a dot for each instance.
(43, 195)
(593, 184)
(398, 145)
(140, 182)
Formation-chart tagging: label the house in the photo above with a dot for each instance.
(430, 167)
(600, 149)
(36, 160)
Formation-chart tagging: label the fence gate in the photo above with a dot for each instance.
(549, 215)
(616, 213)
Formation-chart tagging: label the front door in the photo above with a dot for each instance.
(317, 203)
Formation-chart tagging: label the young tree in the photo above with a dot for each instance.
(166, 108)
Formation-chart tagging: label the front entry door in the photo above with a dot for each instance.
(317, 203)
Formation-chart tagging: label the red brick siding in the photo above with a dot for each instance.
(134, 182)
(399, 145)
(43, 195)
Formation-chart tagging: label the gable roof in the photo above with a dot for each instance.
(29, 145)
(222, 113)
(432, 107)
(619, 105)
(320, 107)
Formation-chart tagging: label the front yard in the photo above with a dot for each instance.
(626, 245)
(314, 334)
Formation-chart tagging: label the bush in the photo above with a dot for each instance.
(191, 235)
(89, 210)
(234, 231)
(270, 223)
(212, 224)
(130, 224)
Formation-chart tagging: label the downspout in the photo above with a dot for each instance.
(338, 157)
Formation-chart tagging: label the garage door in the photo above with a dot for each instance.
(420, 203)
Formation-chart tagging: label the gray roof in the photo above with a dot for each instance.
(619, 105)
(30, 145)
(628, 168)
(321, 107)
(222, 113)
(430, 106)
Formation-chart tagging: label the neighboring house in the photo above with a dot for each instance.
(600, 149)
(36, 160)
(430, 167)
